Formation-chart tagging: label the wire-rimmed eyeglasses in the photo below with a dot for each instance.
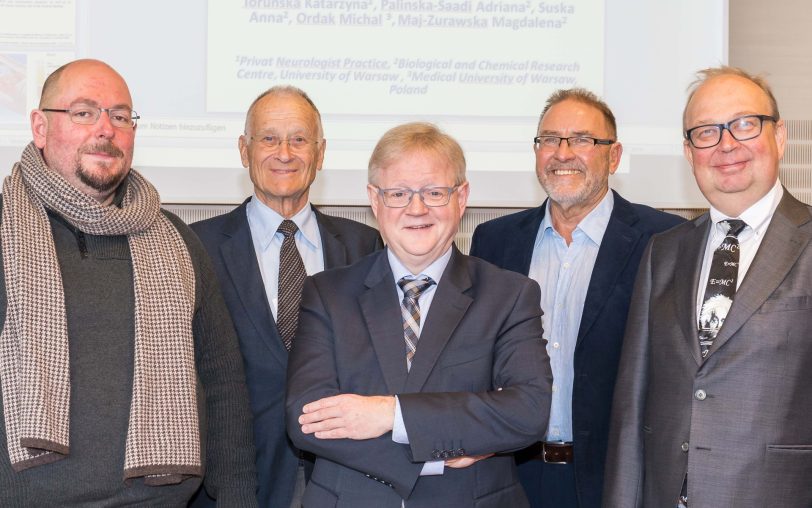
(431, 196)
(85, 114)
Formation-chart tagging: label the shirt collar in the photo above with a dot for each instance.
(434, 270)
(594, 224)
(265, 221)
(759, 213)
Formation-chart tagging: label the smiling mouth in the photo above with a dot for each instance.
(731, 165)
(564, 171)
(419, 226)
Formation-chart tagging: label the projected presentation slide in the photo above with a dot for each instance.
(405, 57)
(480, 69)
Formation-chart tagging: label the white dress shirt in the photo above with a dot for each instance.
(757, 218)
(263, 222)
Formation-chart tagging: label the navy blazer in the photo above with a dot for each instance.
(508, 242)
(227, 239)
(479, 369)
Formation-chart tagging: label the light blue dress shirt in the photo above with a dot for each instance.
(563, 272)
(263, 222)
(435, 271)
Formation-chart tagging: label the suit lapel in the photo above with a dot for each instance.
(783, 243)
(447, 310)
(617, 246)
(518, 249)
(333, 248)
(240, 260)
(688, 267)
(381, 311)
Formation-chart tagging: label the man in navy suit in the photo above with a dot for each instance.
(583, 246)
(413, 366)
(283, 148)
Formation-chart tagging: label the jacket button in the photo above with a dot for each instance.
(700, 394)
(684, 446)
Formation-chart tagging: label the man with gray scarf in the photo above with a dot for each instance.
(121, 377)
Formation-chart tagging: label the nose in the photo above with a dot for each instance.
(416, 205)
(563, 152)
(728, 142)
(104, 127)
(283, 153)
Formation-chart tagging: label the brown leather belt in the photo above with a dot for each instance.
(553, 452)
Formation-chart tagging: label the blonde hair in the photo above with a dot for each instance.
(416, 136)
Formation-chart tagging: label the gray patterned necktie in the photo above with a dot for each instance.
(291, 277)
(410, 310)
(722, 278)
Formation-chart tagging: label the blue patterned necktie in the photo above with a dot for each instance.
(291, 277)
(410, 310)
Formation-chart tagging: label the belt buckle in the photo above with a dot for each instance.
(553, 445)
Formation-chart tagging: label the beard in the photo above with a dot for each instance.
(104, 180)
(564, 192)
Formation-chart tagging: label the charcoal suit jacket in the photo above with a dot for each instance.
(738, 422)
(480, 369)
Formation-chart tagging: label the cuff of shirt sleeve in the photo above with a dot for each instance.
(399, 434)
(433, 468)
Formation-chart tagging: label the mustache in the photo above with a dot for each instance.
(107, 148)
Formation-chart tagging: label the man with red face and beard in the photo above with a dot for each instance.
(583, 246)
(118, 361)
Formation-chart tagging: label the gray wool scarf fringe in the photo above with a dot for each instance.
(163, 440)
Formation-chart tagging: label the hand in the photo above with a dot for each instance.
(349, 416)
(469, 460)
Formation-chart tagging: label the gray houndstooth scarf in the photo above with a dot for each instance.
(163, 441)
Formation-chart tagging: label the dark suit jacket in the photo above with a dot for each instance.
(745, 439)
(227, 239)
(480, 369)
(508, 242)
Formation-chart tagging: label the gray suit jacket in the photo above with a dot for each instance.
(227, 239)
(739, 423)
(480, 369)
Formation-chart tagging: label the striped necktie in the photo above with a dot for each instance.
(410, 310)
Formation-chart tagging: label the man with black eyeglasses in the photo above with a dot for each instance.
(262, 250)
(583, 246)
(416, 367)
(712, 401)
(121, 374)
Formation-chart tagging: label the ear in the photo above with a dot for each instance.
(320, 156)
(462, 197)
(780, 137)
(689, 154)
(615, 152)
(39, 127)
(372, 193)
(242, 144)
